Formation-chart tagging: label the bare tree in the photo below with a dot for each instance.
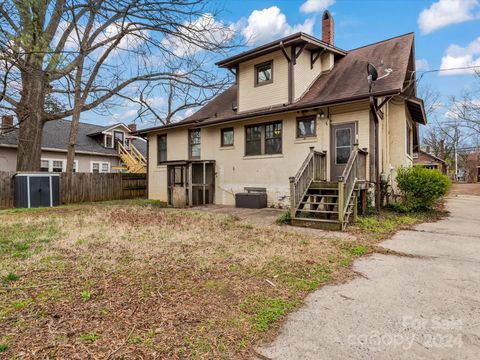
(431, 98)
(86, 53)
(466, 108)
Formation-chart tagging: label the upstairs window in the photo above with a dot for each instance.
(162, 148)
(194, 143)
(306, 127)
(263, 139)
(108, 141)
(264, 73)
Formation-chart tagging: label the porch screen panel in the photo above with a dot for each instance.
(253, 140)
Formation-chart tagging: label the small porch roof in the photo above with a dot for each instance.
(416, 109)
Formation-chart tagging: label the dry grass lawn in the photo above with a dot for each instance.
(134, 280)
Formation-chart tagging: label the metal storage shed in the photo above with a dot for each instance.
(37, 190)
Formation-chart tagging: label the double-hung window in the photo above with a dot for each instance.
(194, 143)
(99, 167)
(263, 139)
(162, 148)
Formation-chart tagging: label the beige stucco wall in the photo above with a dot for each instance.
(328, 60)
(398, 116)
(304, 74)
(276, 93)
(234, 171)
(8, 159)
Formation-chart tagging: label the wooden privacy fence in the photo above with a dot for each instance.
(85, 187)
(6, 189)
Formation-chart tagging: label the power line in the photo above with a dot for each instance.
(450, 69)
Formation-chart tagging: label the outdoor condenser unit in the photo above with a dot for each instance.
(37, 190)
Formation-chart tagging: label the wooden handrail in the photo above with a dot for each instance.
(134, 159)
(355, 170)
(313, 168)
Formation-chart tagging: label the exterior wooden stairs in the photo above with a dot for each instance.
(133, 160)
(322, 204)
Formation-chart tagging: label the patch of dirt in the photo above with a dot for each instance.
(465, 189)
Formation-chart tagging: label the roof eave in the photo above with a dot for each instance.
(266, 112)
(276, 45)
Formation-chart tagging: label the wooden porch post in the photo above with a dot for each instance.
(355, 208)
(292, 197)
(341, 190)
(190, 187)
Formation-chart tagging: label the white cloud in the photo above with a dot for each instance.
(422, 65)
(311, 6)
(204, 30)
(457, 56)
(269, 24)
(445, 12)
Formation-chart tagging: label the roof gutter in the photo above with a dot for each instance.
(289, 108)
(63, 150)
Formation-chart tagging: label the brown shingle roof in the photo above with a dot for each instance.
(346, 82)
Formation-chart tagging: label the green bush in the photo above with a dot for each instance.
(421, 187)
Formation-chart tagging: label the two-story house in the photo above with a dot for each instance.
(300, 122)
(99, 149)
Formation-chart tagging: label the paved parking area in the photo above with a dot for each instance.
(426, 306)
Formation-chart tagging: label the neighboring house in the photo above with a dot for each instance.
(430, 161)
(97, 149)
(473, 167)
(289, 96)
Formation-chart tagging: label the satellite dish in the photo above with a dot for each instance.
(372, 72)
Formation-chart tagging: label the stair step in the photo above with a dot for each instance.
(324, 185)
(322, 195)
(324, 224)
(320, 211)
(318, 203)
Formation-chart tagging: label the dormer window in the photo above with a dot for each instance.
(264, 73)
(108, 141)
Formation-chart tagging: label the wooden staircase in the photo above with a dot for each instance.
(323, 204)
(133, 159)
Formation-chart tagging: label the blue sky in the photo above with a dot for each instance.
(447, 32)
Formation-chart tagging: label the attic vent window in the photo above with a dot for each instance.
(264, 73)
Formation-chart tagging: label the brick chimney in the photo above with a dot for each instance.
(132, 127)
(7, 122)
(327, 27)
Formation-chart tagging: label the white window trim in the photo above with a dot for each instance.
(100, 163)
(64, 164)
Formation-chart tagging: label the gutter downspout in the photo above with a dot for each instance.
(373, 111)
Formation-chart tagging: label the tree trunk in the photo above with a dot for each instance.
(31, 119)
(77, 110)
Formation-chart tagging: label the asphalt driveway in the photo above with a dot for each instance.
(421, 307)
